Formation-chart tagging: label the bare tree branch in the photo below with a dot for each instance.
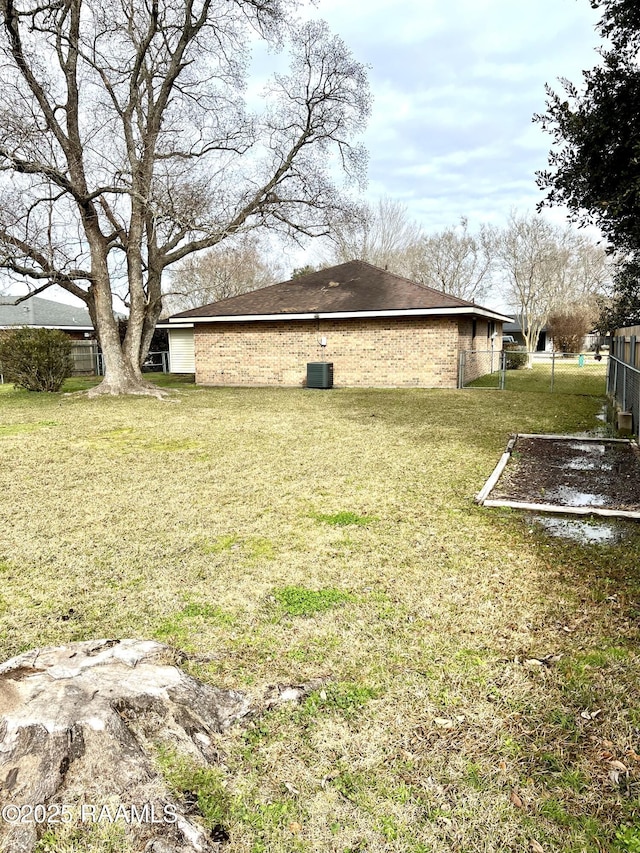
(130, 148)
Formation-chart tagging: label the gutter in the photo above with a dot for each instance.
(45, 326)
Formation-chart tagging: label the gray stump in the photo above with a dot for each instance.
(76, 724)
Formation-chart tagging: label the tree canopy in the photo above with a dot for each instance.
(594, 165)
(128, 143)
(228, 269)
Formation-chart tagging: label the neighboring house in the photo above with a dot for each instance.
(39, 313)
(545, 341)
(376, 328)
(545, 344)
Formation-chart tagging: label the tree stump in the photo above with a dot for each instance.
(76, 726)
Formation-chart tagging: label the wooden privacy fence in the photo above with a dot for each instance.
(626, 345)
(84, 355)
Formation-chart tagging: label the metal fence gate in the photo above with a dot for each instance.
(481, 369)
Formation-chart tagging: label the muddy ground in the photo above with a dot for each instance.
(573, 473)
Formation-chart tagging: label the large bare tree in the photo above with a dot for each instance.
(127, 145)
(382, 234)
(545, 268)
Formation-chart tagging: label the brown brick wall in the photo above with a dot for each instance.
(397, 352)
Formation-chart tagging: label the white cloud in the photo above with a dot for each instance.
(455, 86)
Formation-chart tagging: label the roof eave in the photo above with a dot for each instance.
(174, 324)
(61, 326)
(470, 311)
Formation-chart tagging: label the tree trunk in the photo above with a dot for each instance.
(80, 726)
(123, 374)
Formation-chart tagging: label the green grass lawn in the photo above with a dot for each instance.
(283, 535)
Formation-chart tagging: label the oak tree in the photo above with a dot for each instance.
(128, 143)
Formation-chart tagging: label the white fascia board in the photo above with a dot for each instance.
(171, 325)
(349, 315)
(71, 328)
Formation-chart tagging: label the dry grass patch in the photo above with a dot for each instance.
(278, 536)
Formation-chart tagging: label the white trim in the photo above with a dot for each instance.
(559, 509)
(497, 472)
(347, 315)
(586, 438)
(176, 325)
(43, 326)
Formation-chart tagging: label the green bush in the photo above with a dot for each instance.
(516, 358)
(35, 359)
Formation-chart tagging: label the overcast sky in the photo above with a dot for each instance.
(455, 85)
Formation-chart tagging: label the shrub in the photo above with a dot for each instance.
(516, 358)
(567, 327)
(36, 359)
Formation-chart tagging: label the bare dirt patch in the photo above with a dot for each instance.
(572, 472)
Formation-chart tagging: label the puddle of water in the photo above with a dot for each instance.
(567, 496)
(579, 530)
(589, 465)
(588, 447)
(583, 465)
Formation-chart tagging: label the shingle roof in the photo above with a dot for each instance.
(37, 311)
(354, 286)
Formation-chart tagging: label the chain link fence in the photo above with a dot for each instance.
(481, 369)
(623, 386)
(516, 370)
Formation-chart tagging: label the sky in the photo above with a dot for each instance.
(455, 85)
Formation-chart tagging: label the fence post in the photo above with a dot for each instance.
(553, 369)
(461, 369)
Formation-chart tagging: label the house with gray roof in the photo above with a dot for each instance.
(39, 313)
(376, 328)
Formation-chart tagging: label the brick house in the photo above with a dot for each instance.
(376, 328)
